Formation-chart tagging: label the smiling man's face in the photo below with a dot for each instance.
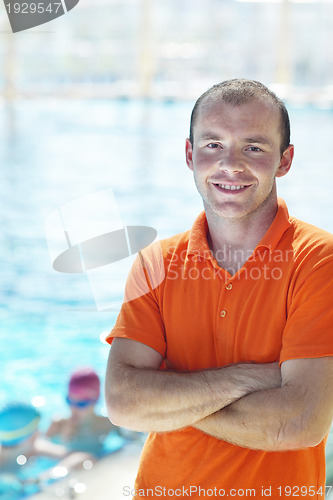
(236, 157)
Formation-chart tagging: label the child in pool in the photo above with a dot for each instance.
(21, 445)
(84, 429)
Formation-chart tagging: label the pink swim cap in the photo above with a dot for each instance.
(84, 384)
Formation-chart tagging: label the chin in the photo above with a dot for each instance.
(229, 212)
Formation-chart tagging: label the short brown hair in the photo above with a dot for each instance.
(241, 91)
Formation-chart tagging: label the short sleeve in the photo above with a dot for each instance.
(140, 317)
(309, 328)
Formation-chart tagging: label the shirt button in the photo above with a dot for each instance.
(229, 287)
(223, 314)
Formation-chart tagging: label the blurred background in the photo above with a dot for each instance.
(156, 49)
(101, 98)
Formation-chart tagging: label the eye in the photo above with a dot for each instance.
(254, 148)
(213, 145)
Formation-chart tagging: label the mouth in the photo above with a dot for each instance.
(231, 188)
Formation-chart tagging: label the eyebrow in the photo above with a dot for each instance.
(211, 137)
(257, 139)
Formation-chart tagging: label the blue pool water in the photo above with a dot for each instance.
(55, 151)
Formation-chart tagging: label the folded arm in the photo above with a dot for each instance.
(144, 398)
(296, 415)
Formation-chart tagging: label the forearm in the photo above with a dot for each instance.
(161, 401)
(272, 420)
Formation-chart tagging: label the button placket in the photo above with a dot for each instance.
(223, 312)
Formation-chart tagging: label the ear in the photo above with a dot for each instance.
(286, 161)
(189, 154)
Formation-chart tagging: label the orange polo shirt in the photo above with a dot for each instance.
(278, 306)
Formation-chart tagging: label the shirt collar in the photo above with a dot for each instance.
(198, 244)
(276, 230)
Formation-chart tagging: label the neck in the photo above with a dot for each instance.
(232, 241)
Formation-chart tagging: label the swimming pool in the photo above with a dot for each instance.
(55, 151)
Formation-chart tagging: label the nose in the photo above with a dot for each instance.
(231, 162)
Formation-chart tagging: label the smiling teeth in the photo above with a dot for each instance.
(231, 188)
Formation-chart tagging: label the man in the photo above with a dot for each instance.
(223, 348)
